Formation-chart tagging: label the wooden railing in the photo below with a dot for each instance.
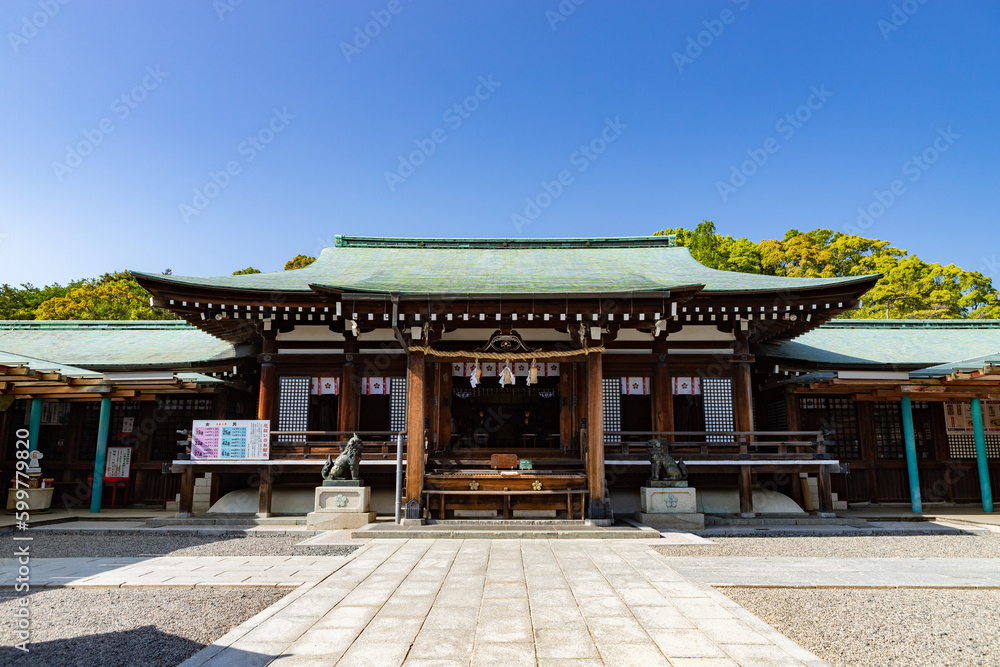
(378, 445)
(718, 445)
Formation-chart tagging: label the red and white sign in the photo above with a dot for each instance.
(687, 385)
(324, 386)
(635, 386)
(375, 386)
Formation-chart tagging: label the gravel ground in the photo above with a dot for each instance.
(111, 627)
(919, 546)
(132, 545)
(883, 627)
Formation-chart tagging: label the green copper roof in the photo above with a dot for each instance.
(108, 344)
(907, 343)
(505, 266)
(966, 365)
(43, 365)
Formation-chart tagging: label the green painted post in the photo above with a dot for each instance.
(911, 454)
(102, 455)
(34, 424)
(984, 470)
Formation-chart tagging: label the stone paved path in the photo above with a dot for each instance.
(842, 572)
(176, 571)
(504, 602)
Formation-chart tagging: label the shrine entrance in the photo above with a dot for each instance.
(506, 418)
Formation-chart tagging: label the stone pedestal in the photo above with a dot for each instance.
(670, 506)
(341, 503)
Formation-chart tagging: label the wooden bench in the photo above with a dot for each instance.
(506, 494)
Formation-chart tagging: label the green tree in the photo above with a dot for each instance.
(299, 262)
(19, 303)
(245, 272)
(909, 287)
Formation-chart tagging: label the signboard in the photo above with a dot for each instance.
(118, 462)
(248, 439)
(958, 416)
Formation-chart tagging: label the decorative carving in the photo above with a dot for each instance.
(506, 342)
(536, 485)
(340, 500)
(473, 485)
(663, 462)
(348, 459)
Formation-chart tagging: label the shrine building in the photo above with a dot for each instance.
(525, 378)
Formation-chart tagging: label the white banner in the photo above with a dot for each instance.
(635, 386)
(683, 385)
(375, 386)
(324, 386)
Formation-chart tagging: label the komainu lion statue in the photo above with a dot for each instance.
(671, 469)
(349, 458)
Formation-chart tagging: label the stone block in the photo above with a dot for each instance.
(341, 506)
(338, 520)
(340, 499)
(668, 500)
(675, 521)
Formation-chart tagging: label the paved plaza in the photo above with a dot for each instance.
(506, 601)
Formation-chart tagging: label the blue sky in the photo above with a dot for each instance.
(209, 136)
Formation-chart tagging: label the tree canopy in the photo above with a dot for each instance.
(910, 288)
(299, 262)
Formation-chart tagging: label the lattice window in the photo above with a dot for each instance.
(397, 404)
(838, 417)
(963, 445)
(718, 400)
(612, 407)
(293, 407)
(889, 441)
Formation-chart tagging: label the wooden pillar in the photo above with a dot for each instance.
(187, 492)
(595, 427)
(350, 400)
(565, 406)
(264, 493)
(910, 446)
(267, 405)
(104, 421)
(663, 399)
(824, 490)
(792, 422)
(742, 398)
(444, 406)
(746, 492)
(34, 424)
(415, 426)
(982, 465)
